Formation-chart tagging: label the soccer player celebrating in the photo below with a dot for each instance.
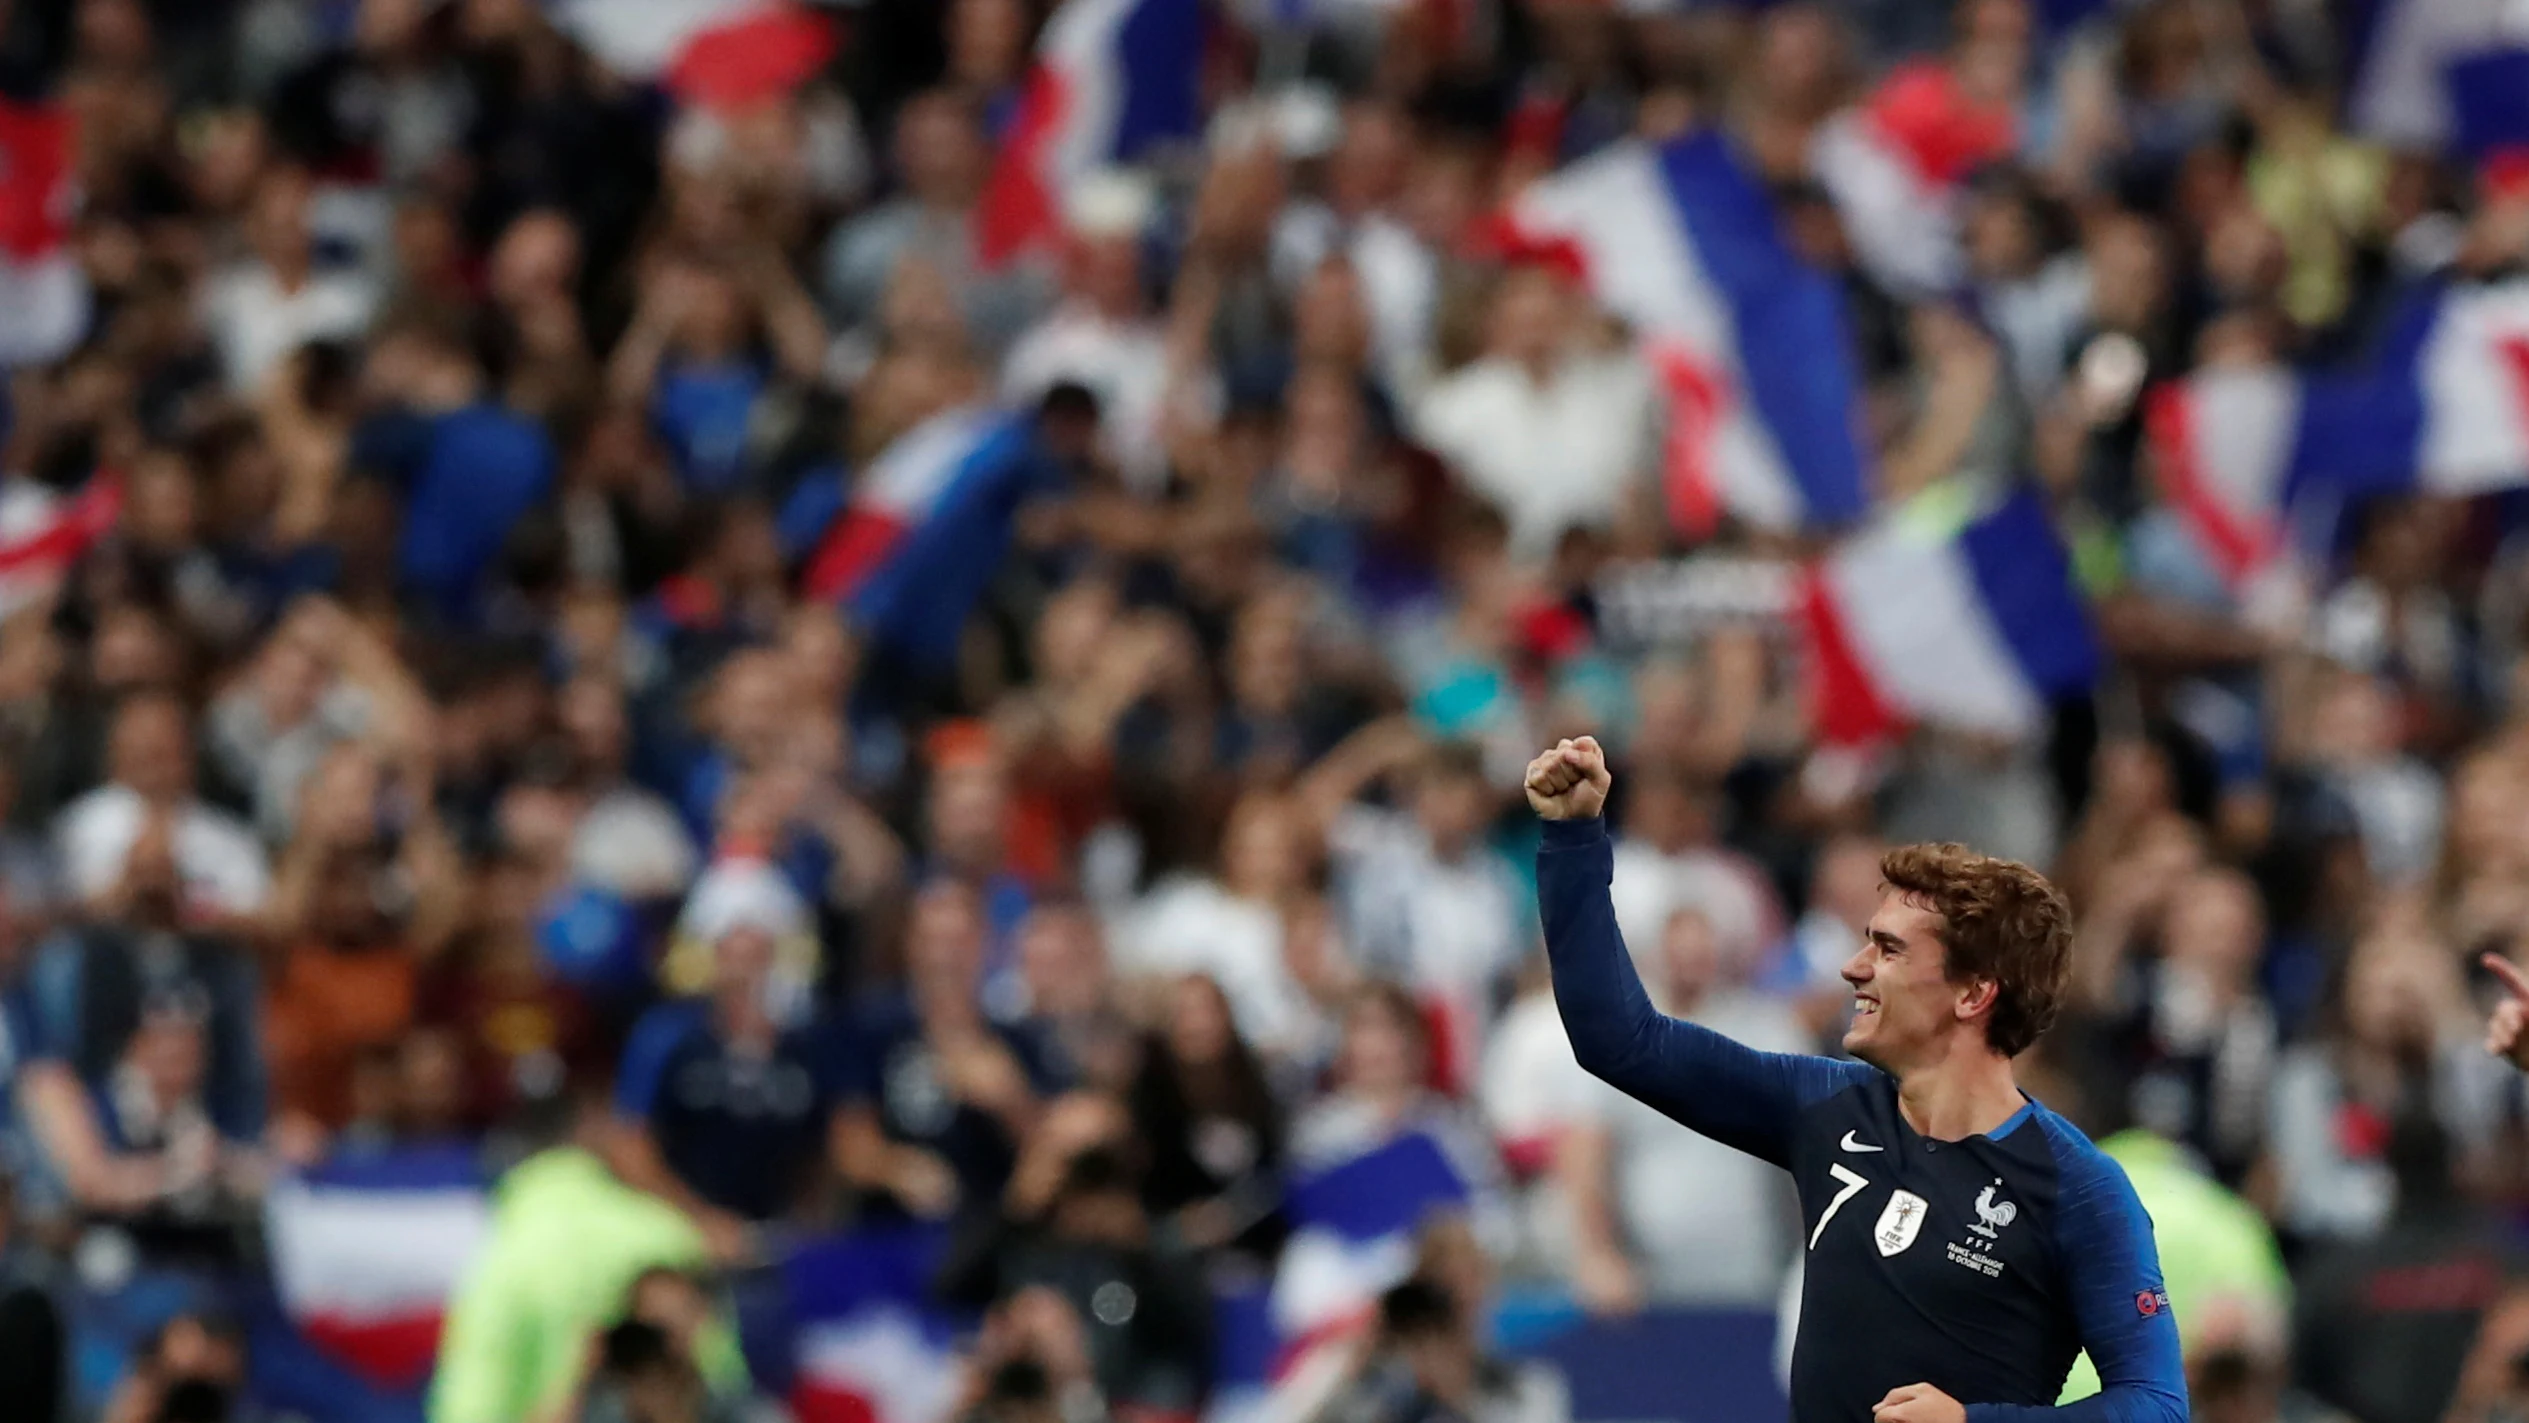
(1964, 1243)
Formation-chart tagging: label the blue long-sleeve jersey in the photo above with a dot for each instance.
(1981, 1267)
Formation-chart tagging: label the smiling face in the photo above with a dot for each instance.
(1904, 1006)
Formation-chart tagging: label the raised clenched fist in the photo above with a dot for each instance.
(1569, 781)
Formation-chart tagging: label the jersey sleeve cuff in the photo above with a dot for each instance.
(1576, 834)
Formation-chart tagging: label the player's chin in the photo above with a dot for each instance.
(1862, 1031)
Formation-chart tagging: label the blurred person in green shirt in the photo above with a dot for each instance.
(568, 1242)
(2225, 1277)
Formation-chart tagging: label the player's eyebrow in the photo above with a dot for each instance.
(1886, 940)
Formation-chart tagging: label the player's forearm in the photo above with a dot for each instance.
(2116, 1403)
(1606, 1013)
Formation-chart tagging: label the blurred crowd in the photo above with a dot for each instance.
(439, 742)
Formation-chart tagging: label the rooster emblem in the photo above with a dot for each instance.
(1995, 1214)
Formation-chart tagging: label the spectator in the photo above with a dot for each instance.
(1030, 1365)
(1235, 927)
(1426, 900)
(568, 1242)
(2406, 1045)
(143, 1082)
(193, 1366)
(1073, 1222)
(1102, 336)
(644, 1369)
(722, 1105)
(262, 309)
(2390, 1327)
(1549, 425)
(2195, 1042)
(628, 840)
(939, 157)
(354, 924)
(1213, 1129)
(220, 866)
(34, 1345)
(937, 1098)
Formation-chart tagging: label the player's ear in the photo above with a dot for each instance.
(1976, 998)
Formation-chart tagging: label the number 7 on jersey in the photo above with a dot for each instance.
(1853, 1181)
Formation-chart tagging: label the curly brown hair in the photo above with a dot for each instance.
(2000, 920)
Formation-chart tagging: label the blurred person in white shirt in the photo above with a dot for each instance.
(1554, 424)
(265, 307)
(150, 765)
(1104, 335)
(1235, 927)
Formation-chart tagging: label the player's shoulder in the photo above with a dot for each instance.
(2085, 1176)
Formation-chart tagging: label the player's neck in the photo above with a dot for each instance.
(1966, 1094)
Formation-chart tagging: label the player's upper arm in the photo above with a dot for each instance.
(1730, 1092)
(2112, 1277)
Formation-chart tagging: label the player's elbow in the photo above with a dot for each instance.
(1611, 1052)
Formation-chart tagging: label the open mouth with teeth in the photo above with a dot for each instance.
(1864, 1005)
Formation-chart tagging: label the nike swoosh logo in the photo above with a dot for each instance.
(1851, 1145)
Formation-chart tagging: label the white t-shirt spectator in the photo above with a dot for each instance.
(1552, 456)
(221, 862)
(257, 325)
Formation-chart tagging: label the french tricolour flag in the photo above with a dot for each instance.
(2397, 55)
(2225, 442)
(719, 53)
(867, 1346)
(925, 527)
(1941, 616)
(1893, 165)
(1113, 79)
(366, 1252)
(1749, 341)
(2443, 408)
(43, 289)
(1354, 1229)
(44, 531)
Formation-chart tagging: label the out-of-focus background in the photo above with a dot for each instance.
(715, 710)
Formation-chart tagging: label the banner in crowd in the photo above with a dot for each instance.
(1355, 1224)
(366, 1252)
(867, 1345)
(1748, 341)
